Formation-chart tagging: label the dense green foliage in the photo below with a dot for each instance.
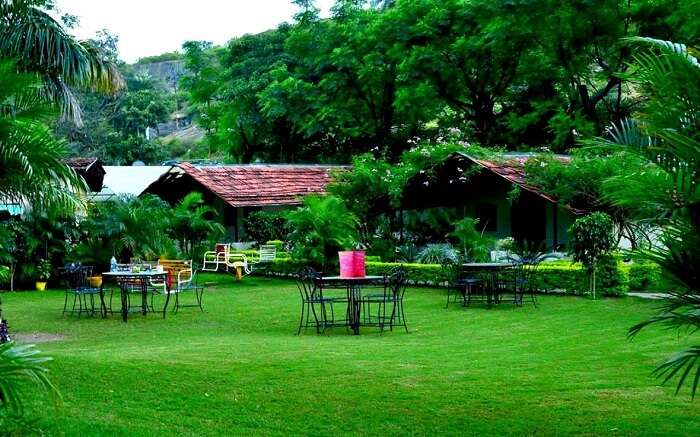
(125, 228)
(146, 228)
(31, 167)
(591, 237)
(39, 236)
(20, 366)
(320, 228)
(377, 74)
(264, 226)
(474, 245)
(579, 182)
(114, 126)
(192, 226)
(666, 132)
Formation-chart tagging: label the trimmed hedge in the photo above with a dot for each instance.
(612, 277)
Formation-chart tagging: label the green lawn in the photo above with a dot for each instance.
(565, 367)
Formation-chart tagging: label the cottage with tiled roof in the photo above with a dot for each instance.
(237, 190)
(484, 189)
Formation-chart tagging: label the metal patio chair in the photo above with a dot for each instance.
(313, 302)
(81, 290)
(460, 284)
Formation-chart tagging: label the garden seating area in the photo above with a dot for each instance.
(416, 217)
(376, 301)
(240, 367)
(139, 281)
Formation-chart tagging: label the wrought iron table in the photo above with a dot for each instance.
(353, 286)
(492, 269)
(126, 279)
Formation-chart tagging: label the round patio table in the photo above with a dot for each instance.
(492, 269)
(353, 286)
(124, 279)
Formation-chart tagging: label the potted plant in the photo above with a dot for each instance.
(43, 269)
(95, 281)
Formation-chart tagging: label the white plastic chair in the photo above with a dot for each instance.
(218, 257)
(267, 254)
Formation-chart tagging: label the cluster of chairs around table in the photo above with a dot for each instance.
(376, 301)
(137, 292)
(493, 283)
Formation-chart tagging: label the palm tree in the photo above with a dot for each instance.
(321, 227)
(30, 34)
(667, 132)
(191, 224)
(127, 227)
(31, 160)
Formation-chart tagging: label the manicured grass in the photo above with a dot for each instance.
(565, 367)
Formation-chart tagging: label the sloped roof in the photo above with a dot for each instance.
(255, 184)
(81, 163)
(512, 168)
(90, 169)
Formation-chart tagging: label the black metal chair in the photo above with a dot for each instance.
(388, 305)
(525, 282)
(397, 286)
(79, 287)
(460, 284)
(310, 290)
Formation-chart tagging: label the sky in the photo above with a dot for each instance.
(152, 27)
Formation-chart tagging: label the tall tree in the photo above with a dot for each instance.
(251, 63)
(342, 90)
(29, 34)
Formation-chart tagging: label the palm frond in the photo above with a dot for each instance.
(41, 45)
(669, 46)
(687, 359)
(20, 364)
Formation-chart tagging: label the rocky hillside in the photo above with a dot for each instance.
(169, 72)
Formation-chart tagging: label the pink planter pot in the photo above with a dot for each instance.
(352, 263)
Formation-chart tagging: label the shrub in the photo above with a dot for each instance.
(571, 278)
(612, 280)
(644, 276)
(265, 226)
(591, 237)
(437, 254)
(320, 228)
(474, 244)
(279, 244)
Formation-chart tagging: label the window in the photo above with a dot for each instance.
(487, 214)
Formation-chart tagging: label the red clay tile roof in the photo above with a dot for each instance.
(90, 169)
(512, 168)
(261, 185)
(80, 163)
